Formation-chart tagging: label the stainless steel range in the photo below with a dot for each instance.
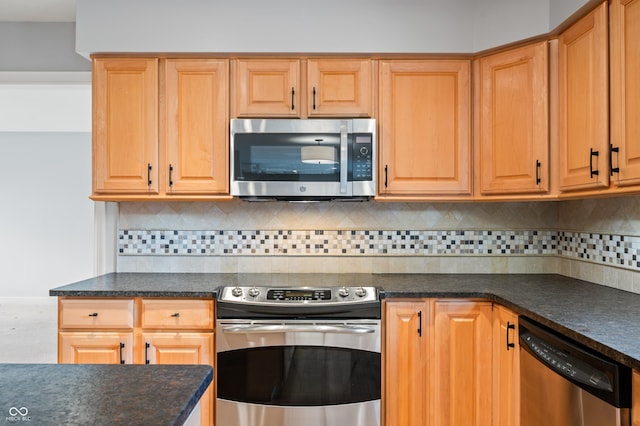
(298, 356)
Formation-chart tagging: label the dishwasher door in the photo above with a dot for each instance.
(564, 384)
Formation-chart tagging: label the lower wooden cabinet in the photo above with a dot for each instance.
(438, 359)
(506, 368)
(635, 401)
(138, 330)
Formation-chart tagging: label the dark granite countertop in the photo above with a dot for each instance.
(603, 318)
(80, 394)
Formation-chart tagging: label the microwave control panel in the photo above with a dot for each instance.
(362, 156)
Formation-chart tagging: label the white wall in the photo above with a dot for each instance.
(46, 219)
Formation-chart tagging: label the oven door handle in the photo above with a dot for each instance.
(292, 328)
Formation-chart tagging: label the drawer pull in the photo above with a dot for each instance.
(176, 315)
(94, 314)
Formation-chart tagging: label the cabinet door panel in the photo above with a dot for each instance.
(514, 121)
(625, 90)
(82, 313)
(267, 88)
(462, 347)
(125, 125)
(197, 153)
(339, 87)
(176, 314)
(583, 103)
(425, 127)
(506, 368)
(406, 361)
(95, 348)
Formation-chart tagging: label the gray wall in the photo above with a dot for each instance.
(39, 47)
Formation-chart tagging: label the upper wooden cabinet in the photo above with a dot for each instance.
(625, 92)
(281, 88)
(513, 104)
(339, 87)
(267, 87)
(160, 128)
(583, 102)
(125, 126)
(195, 134)
(425, 141)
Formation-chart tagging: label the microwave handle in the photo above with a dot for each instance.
(344, 157)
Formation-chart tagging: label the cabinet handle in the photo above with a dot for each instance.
(121, 348)
(93, 314)
(612, 169)
(170, 175)
(314, 98)
(149, 175)
(538, 164)
(592, 153)
(146, 352)
(386, 175)
(420, 323)
(510, 327)
(176, 315)
(293, 92)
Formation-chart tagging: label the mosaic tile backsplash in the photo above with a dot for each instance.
(613, 250)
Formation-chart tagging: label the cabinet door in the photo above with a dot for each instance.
(406, 362)
(506, 368)
(635, 401)
(196, 126)
(182, 348)
(125, 125)
(95, 348)
(462, 358)
(583, 103)
(514, 125)
(339, 87)
(268, 88)
(625, 91)
(425, 127)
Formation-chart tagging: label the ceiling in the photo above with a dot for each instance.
(37, 10)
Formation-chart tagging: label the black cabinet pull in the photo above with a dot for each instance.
(386, 175)
(293, 92)
(121, 348)
(612, 169)
(314, 98)
(510, 327)
(420, 323)
(146, 352)
(93, 314)
(170, 175)
(176, 315)
(592, 153)
(149, 174)
(538, 164)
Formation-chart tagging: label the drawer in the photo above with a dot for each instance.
(176, 314)
(95, 313)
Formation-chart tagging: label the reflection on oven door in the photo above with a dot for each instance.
(244, 414)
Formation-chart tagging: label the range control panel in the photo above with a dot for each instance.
(298, 295)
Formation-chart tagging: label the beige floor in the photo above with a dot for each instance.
(28, 328)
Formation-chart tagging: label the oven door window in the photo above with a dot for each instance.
(287, 157)
(299, 375)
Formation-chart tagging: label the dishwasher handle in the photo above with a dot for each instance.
(294, 328)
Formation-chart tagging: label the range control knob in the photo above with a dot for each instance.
(361, 292)
(343, 292)
(237, 292)
(253, 292)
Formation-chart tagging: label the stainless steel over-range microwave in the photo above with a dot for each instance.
(303, 159)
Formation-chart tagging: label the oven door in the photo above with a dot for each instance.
(300, 372)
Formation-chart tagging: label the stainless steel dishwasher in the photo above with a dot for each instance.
(564, 383)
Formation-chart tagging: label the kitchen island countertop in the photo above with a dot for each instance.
(603, 318)
(81, 394)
